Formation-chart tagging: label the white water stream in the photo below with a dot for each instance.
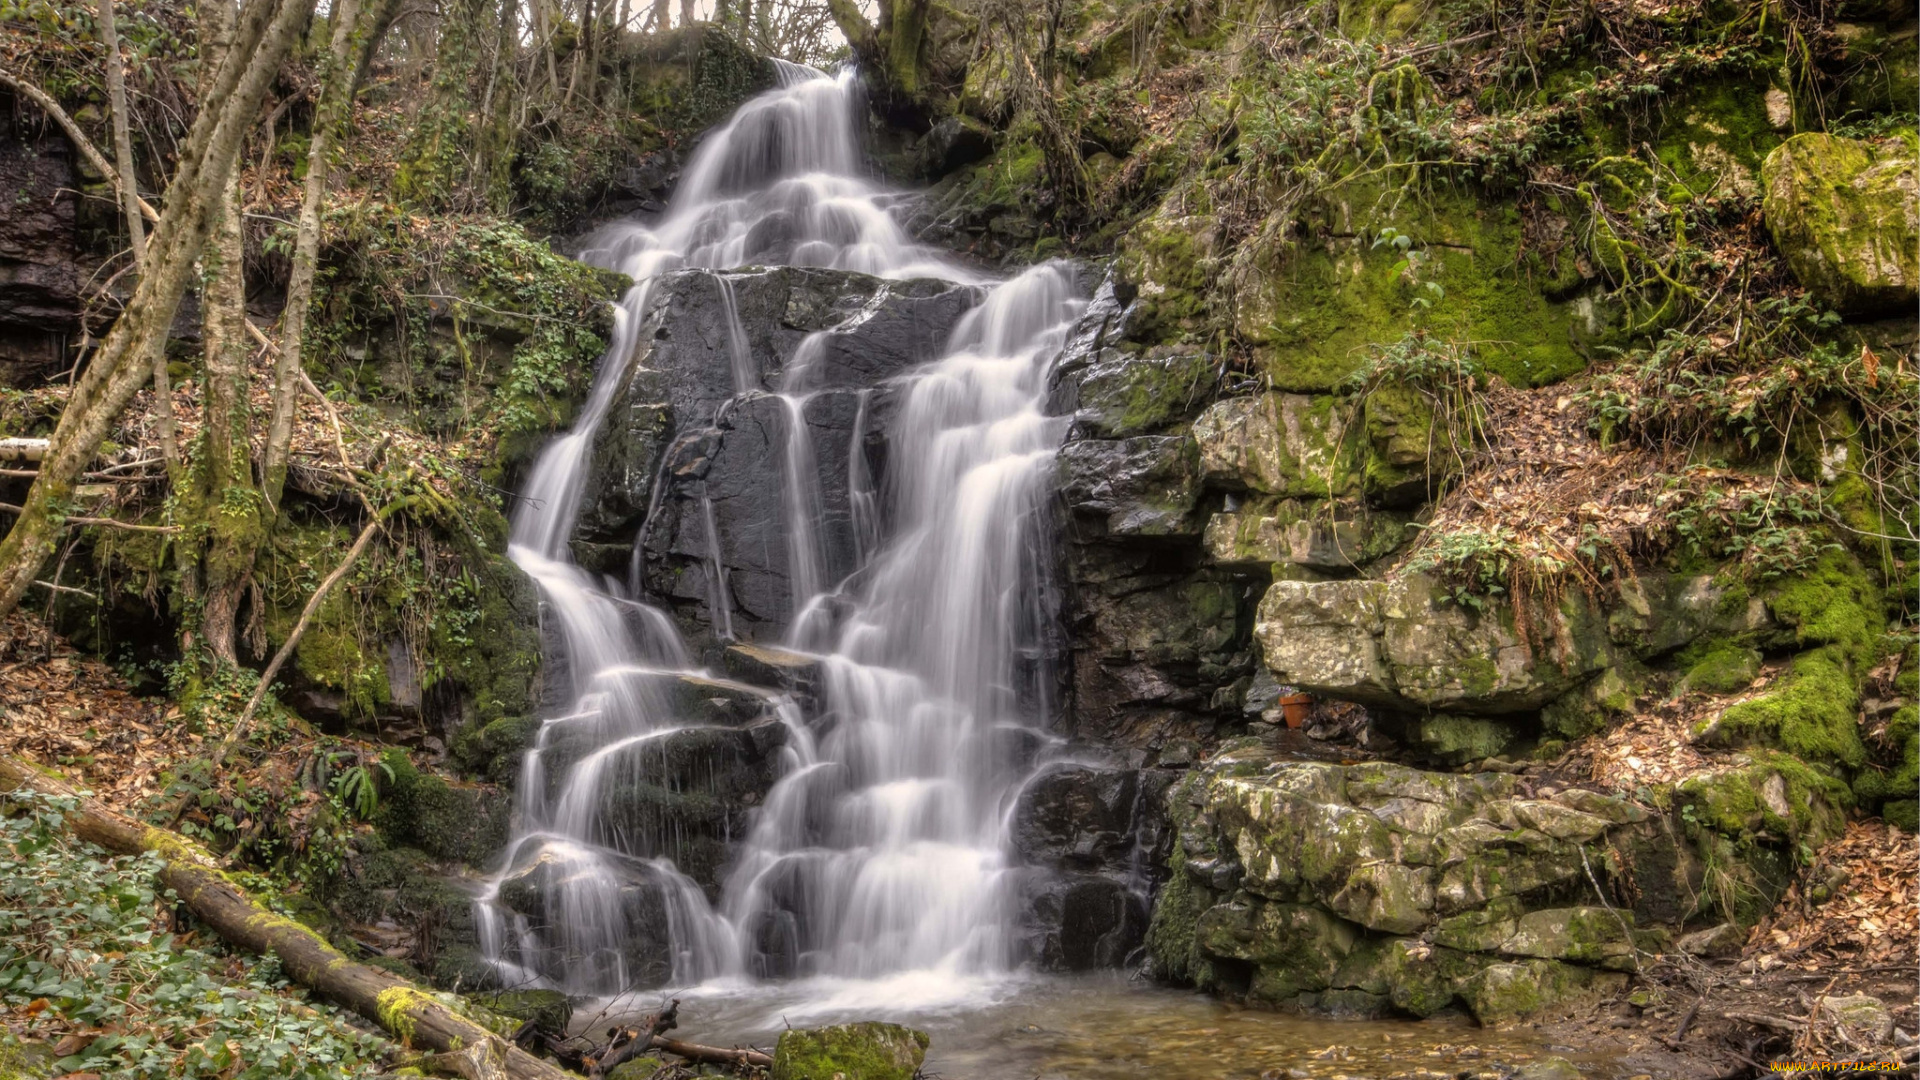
(877, 863)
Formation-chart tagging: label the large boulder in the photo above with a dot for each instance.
(1144, 486)
(1278, 444)
(1118, 394)
(1403, 644)
(1157, 638)
(1845, 215)
(1320, 885)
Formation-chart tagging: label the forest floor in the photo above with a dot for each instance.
(1692, 1019)
(97, 972)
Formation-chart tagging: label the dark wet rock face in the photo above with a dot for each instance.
(40, 271)
(694, 445)
(1094, 836)
(1159, 635)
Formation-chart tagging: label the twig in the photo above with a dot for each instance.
(1777, 1023)
(1687, 1020)
(9, 508)
(280, 658)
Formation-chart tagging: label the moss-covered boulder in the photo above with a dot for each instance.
(1458, 739)
(1844, 214)
(1380, 887)
(1812, 711)
(1723, 667)
(1330, 535)
(1767, 795)
(1402, 643)
(1753, 823)
(863, 1051)
(1398, 643)
(1294, 948)
(1287, 445)
(1121, 395)
(1511, 990)
(446, 819)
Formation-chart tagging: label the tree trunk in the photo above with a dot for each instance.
(355, 36)
(494, 162)
(123, 362)
(582, 45)
(403, 1009)
(136, 228)
(224, 501)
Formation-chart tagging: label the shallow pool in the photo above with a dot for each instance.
(1105, 1027)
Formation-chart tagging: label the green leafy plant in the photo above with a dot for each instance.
(357, 790)
(85, 950)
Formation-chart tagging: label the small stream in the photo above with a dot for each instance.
(1109, 1027)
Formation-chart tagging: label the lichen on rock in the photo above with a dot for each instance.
(1846, 215)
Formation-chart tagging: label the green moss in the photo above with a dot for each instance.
(25, 1061)
(1172, 943)
(1835, 603)
(1772, 794)
(463, 822)
(1508, 991)
(1145, 395)
(492, 750)
(640, 1068)
(1406, 454)
(865, 1051)
(466, 326)
(1811, 713)
(397, 1007)
(1384, 20)
(1318, 306)
(1167, 258)
(1416, 978)
(1838, 210)
(1459, 739)
(1720, 667)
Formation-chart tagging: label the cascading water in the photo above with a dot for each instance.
(879, 853)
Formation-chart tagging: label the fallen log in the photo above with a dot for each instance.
(21, 449)
(411, 1015)
(714, 1055)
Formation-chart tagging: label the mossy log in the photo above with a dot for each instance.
(412, 1015)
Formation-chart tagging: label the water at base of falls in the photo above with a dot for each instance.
(877, 862)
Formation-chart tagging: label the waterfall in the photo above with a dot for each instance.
(880, 851)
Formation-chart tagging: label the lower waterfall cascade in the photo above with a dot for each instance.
(879, 854)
